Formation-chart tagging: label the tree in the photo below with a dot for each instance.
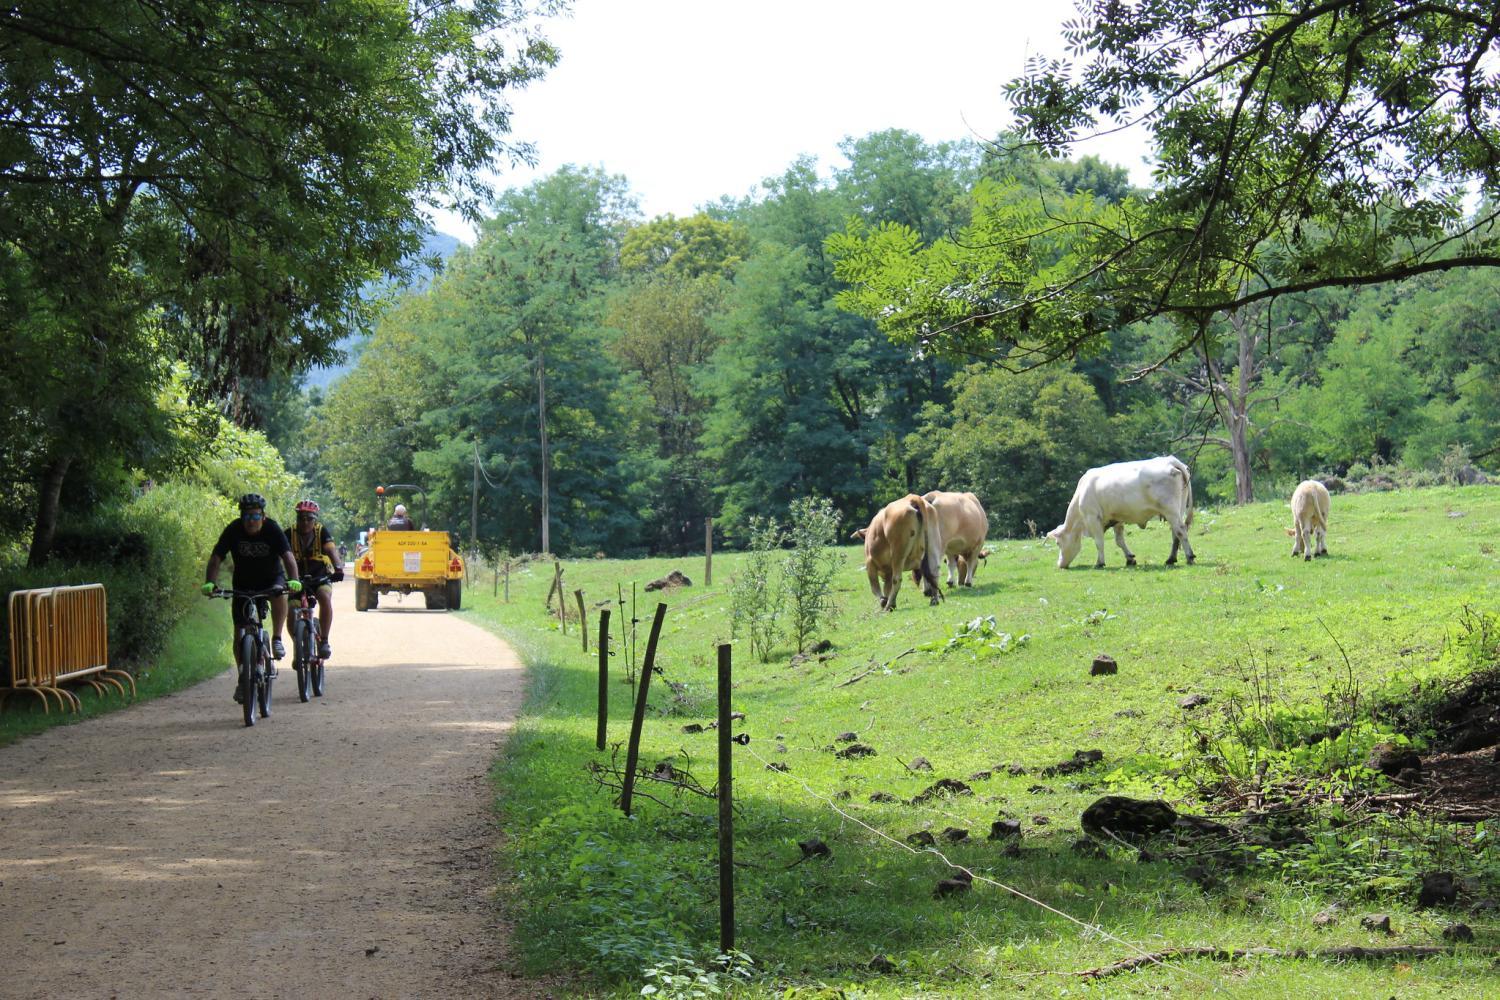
(1298, 147)
(1019, 441)
(216, 182)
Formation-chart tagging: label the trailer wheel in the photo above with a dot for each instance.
(361, 594)
(455, 594)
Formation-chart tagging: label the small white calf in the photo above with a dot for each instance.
(1309, 519)
(1113, 496)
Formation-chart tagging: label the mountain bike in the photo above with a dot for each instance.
(252, 651)
(307, 635)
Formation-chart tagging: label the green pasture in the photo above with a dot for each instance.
(609, 897)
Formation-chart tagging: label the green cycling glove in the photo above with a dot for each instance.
(295, 586)
(208, 589)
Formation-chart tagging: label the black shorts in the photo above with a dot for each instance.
(241, 605)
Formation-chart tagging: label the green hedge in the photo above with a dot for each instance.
(149, 553)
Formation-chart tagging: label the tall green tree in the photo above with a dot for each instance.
(216, 181)
(1298, 146)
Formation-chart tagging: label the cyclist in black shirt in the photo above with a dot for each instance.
(262, 560)
(318, 560)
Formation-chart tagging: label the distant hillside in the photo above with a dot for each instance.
(434, 244)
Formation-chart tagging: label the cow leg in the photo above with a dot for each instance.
(890, 599)
(1096, 532)
(1120, 541)
(1179, 539)
(875, 586)
(969, 562)
(955, 569)
(1322, 541)
(1296, 538)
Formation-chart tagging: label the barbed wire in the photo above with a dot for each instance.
(1092, 928)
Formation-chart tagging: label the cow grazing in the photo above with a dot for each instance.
(1113, 496)
(963, 527)
(1309, 519)
(902, 537)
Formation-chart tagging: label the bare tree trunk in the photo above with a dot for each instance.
(1239, 448)
(541, 416)
(46, 513)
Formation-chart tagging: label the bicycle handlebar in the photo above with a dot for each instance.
(230, 592)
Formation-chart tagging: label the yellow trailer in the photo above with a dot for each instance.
(408, 561)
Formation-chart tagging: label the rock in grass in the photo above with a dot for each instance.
(1377, 922)
(920, 764)
(1391, 759)
(882, 964)
(812, 847)
(954, 834)
(1081, 760)
(854, 751)
(883, 797)
(1103, 665)
(960, 883)
(846, 737)
(1438, 889)
(1005, 829)
(941, 788)
(1127, 818)
(1458, 932)
(1192, 701)
(1327, 917)
(922, 838)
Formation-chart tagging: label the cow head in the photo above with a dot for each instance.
(858, 534)
(1068, 543)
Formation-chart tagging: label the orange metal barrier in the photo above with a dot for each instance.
(60, 635)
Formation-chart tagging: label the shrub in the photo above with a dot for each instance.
(755, 603)
(807, 571)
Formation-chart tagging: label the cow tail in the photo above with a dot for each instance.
(930, 559)
(1187, 493)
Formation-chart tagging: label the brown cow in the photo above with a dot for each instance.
(902, 536)
(963, 527)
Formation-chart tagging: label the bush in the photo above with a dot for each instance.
(755, 604)
(807, 571)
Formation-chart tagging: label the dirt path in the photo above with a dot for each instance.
(340, 848)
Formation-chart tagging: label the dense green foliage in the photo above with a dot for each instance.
(1297, 146)
(720, 366)
(216, 184)
(992, 687)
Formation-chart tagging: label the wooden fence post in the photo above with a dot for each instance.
(633, 750)
(726, 809)
(708, 551)
(507, 581)
(603, 677)
(583, 620)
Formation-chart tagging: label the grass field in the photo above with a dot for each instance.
(1260, 634)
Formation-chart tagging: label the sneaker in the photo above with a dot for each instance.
(324, 650)
(239, 695)
(277, 649)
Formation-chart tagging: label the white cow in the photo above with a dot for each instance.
(1309, 519)
(1113, 496)
(963, 526)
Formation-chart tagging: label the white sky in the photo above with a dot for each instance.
(695, 99)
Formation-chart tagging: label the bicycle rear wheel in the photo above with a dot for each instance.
(248, 658)
(302, 645)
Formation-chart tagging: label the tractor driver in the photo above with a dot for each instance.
(262, 561)
(319, 563)
(399, 520)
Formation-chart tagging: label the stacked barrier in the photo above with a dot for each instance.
(60, 635)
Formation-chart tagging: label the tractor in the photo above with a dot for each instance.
(407, 561)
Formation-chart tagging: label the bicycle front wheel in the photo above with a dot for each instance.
(249, 656)
(302, 644)
(267, 665)
(317, 665)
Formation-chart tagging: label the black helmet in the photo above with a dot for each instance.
(252, 501)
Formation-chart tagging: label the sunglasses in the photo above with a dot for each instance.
(254, 517)
(307, 517)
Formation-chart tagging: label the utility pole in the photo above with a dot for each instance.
(541, 416)
(474, 502)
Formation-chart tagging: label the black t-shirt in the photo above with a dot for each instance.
(313, 560)
(257, 558)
